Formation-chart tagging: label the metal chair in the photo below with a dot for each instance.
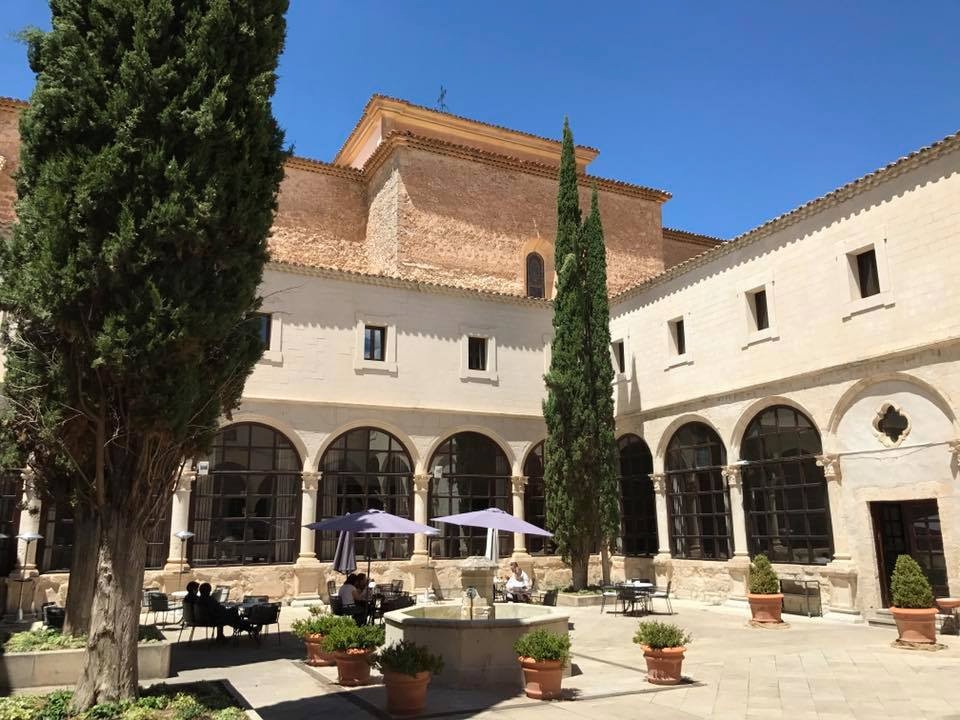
(264, 615)
(331, 590)
(158, 603)
(662, 594)
(221, 593)
(255, 599)
(499, 591)
(196, 616)
(607, 592)
(397, 586)
(358, 613)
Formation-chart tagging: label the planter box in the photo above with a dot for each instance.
(577, 600)
(62, 667)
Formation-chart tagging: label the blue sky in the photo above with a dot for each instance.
(742, 110)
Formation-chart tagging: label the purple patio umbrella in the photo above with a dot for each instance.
(345, 557)
(370, 522)
(493, 518)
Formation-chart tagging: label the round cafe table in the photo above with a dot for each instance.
(640, 592)
(178, 594)
(949, 606)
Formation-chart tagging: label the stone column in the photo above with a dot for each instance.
(307, 569)
(841, 572)
(25, 570)
(421, 490)
(738, 566)
(662, 561)
(179, 520)
(519, 483)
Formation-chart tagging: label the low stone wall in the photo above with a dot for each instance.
(56, 668)
(575, 600)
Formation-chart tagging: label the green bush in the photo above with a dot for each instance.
(763, 580)
(41, 640)
(408, 658)
(318, 610)
(543, 645)
(320, 624)
(588, 590)
(348, 636)
(909, 587)
(22, 707)
(658, 635)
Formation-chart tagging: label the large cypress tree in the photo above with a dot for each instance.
(579, 407)
(149, 170)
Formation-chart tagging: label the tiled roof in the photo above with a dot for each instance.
(691, 238)
(12, 103)
(379, 96)
(926, 154)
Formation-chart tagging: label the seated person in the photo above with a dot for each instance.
(221, 615)
(193, 588)
(518, 585)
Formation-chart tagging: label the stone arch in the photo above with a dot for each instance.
(522, 460)
(670, 430)
(754, 409)
(377, 423)
(280, 426)
(427, 456)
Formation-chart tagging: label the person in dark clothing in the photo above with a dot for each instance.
(193, 588)
(222, 615)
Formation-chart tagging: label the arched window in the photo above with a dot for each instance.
(698, 504)
(474, 474)
(366, 468)
(536, 286)
(784, 492)
(638, 525)
(534, 501)
(247, 510)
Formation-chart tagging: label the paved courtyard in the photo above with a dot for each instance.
(812, 670)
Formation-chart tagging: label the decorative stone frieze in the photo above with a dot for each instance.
(831, 466)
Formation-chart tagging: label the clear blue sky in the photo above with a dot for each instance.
(742, 110)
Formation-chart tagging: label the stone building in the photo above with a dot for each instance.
(787, 391)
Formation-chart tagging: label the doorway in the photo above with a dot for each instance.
(909, 528)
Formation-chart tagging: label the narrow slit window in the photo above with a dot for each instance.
(760, 315)
(477, 353)
(264, 321)
(867, 276)
(374, 343)
(620, 356)
(679, 337)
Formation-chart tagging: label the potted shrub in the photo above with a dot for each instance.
(542, 655)
(407, 669)
(312, 631)
(663, 647)
(912, 598)
(352, 649)
(765, 598)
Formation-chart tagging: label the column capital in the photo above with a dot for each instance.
(519, 484)
(185, 481)
(831, 466)
(734, 476)
(311, 480)
(421, 483)
(659, 483)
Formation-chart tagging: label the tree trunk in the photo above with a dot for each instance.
(109, 672)
(580, 565)
(604, 562)
(83, 574)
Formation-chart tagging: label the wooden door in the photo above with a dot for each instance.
(909, 528)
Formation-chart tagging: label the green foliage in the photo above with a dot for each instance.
(543, 645)
(318, 610)
(320, 624)
(42, 640)
(763, 580)
(659, 635)
(408, 658)
(346, 636)
(588, 590)
(909, 587)
(580, 454)
(199, 701)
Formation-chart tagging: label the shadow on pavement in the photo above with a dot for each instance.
(202, 653)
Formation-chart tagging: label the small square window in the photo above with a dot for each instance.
(868, 279)
(477, 353)
(374, 342)
(761, 317)
(619, 357)
(679, 337)
(264, 321)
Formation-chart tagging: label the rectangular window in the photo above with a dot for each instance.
(374, 343)
(679, 337)
(477, 353)
(760, 315)
(620, 357)
(264, 321)
(867, 276)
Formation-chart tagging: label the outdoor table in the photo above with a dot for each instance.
(178, 594)
(638, 591)
(949, 606)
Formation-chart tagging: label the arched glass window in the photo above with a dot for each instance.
(363, 469)
(638, 525)
(536, 286)
(698, 504)
(474, 475)
(535, 503)
(247, 510)
(784, 492)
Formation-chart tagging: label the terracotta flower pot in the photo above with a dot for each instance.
(916, 625)
(765, 608)
(406, 694)
(664, 666)
(353, 667)
(541, 680)
(315, 654)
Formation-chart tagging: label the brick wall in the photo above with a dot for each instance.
(10, 150)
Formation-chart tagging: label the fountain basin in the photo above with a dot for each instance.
(475, 652)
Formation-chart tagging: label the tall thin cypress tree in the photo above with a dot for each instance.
(578, 414)
(150, 166)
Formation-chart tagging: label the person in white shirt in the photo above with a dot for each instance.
(518, 585)
(350, 592)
